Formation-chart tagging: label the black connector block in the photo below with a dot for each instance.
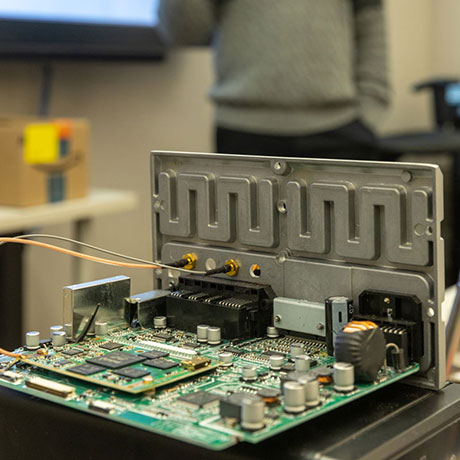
(399, 317)
(240, 309)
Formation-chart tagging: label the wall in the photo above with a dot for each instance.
(133, 108)
(136, 107)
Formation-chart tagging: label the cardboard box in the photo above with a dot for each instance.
(42, 160)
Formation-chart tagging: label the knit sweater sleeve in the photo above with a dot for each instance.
(371, 66)
(187, 22)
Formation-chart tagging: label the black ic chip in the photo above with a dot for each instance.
(86, 369)
(116, 360)
(154, 354)
(62, 362)
(160, 363)
(199, 399)
(72, 351)
(191, 345)
(131, 372)
(235, 351)
(110, 346)
(162, 336)
(273, 353)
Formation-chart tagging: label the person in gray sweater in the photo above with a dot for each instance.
(293, 77)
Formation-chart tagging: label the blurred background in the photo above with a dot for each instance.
(137, 105)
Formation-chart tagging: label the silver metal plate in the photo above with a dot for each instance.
(317, 228)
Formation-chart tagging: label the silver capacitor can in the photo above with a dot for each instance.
(276, 362)
(252, 413)
(294, 397)
(214, 335)
(272, 332)
(249, 373)
(56, 328)
(226, 358)
(302, 363)
(202, 333)
(159, 322)
(101, 328)
(296, 350)
(58, 338)
(344, 377)
(68, 329)
(311, 390)
(32, 340)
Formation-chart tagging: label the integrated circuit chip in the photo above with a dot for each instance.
(86, 369)
(161, 363)
(131, 372)
(162, 336)
(116, 360)
(154, 354)
(111, 346)
(72, 352)
(191, 345)
(199, 399)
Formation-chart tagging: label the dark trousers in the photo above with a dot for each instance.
(353, 141)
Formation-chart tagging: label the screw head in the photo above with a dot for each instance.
(277, 318)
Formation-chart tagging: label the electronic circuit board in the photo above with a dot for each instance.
(184, 406)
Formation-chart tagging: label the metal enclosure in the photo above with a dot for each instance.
(317, 228)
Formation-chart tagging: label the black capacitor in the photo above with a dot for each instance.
(362, 344)
(339, 312)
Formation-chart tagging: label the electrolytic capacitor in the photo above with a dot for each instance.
(249, 373)
(32, 340)
(68, 329)
(294, 397)
(55, 329)
(159, 322)
(202, 333)
(311, 390)
(296, 350)
(214, 335)
(58, 338)
(344, 377)
(302, 363)
(252, 413)
(276, 362)
(226, 358)
(101, 328)
(272, 332)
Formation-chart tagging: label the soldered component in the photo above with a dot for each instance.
(195, 363)
(276, 362)
(99, 405)
(294, 397)
(214, 335)
(269, 395)
(159, 322)
(49, 386)
(202, 333)
(199, 399)
(249, 373)
(311, 390)
(344, 377)
(101, 328)
(362, 344)
(58, 338)
(302, 363)
(272, 332)
(33, 340)
(296, 350)
(226, 358)
(252, 413)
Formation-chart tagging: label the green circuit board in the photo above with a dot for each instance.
(180, 402)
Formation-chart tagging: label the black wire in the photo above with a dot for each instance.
(86, 329)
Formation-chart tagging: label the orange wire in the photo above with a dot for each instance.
(77, 254)
(9, 353)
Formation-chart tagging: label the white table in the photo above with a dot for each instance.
(80, 213)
